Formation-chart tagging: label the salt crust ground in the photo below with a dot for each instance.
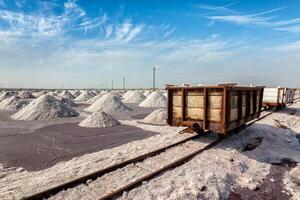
(219, 169)
(16, 183)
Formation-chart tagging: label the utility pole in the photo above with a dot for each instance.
(106, 85)
(123, 83)
(154, 78)
(112, 85)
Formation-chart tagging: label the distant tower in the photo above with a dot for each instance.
(123, 83)
(154, 78)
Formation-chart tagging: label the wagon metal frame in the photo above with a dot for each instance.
(224, 125)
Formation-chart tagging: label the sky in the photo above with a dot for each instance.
(90, 43)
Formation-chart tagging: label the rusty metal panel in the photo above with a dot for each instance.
(214, 115)
(194, 101)
(194, 113)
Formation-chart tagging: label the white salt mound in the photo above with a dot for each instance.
(4, 95)
(135, 97)
(116, 94)
(108, 103)
(99, 119)
(45, 108)
(75, 93)
(95, 98)
(158, 116)
(13, 103)
(155, 99)
(66, 94)
(25, 94)
(85, 95)
(126, 94)
(147, 93)
(67, 101)
(38, 94)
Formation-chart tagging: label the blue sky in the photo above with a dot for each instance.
(82, 43)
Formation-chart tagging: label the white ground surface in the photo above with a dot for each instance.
(220, 169)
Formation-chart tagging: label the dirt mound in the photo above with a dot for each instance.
(108, 103)
(45, 108)
(155, 99)
(158, 116)
(99, 119)
(135, 97)
(13, 103)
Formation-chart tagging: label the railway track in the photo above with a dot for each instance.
(144, 172)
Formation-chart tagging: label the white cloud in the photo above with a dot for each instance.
(262, 19)
(224, 8)
(292, 29)
(108, 31)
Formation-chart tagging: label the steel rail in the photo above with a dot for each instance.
(92, 176)
(174, 164)
(73, 183)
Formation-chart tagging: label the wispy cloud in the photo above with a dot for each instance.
(291, 29)
(45, 24)
(262, 19)
(223, 8)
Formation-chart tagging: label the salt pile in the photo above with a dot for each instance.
(45, 108)
(158, 116)
(66, 94)
(54, 94)
(134, 97)
(5, 95)
(99, 119)
(108, 103)
(95, 98)
(155, 99)
(75, 93)
(85, 95)
(67, 101)
(126, 94)
(38, 94)
(116, 94)
(147, 93)
(13, 103)
(25, 94)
